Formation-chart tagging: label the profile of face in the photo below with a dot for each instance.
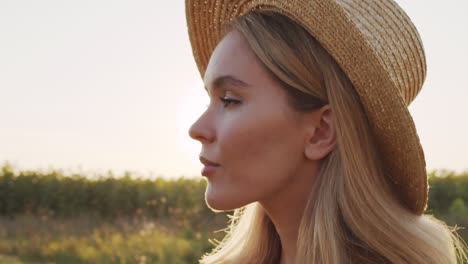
(248, 128)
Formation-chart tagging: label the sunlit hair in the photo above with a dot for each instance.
(352, 214)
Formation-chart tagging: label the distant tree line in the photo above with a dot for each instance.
(180, 200)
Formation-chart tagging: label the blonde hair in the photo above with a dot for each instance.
(353, 215)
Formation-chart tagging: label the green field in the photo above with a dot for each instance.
(85, 240)
(51, 218)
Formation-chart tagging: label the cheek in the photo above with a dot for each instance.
(260, 150)
(259, 156)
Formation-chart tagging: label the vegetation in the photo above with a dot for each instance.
(85, 240)
(52, 218)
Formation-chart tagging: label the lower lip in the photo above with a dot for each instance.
(209, 170)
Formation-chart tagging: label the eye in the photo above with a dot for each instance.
(228, 101)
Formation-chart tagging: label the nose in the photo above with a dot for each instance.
(202, 130)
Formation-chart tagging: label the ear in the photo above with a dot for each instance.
(320, 134)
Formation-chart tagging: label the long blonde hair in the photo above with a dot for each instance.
(353, 215)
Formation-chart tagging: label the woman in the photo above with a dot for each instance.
(307, 134)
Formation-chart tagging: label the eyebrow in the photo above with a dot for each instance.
(227, 80)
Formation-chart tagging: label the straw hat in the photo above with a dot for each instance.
(378, 48)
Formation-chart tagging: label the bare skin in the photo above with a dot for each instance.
(266, 152)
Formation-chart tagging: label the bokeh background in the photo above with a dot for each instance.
(97, 98)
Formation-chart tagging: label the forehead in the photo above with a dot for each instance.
(234, 57)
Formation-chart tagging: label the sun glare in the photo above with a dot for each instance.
(189, 108)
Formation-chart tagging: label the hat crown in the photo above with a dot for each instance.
(388, 30)
(395, 40)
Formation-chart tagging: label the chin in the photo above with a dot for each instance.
(219, 202)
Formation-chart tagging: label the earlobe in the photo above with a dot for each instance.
(321, 137)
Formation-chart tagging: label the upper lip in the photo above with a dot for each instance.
(207, 162)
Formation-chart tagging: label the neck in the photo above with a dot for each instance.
(285, 210)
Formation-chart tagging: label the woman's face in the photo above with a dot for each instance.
(248, 129)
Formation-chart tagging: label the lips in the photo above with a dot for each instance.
(208, 171)
(210, 166)
(207, 162)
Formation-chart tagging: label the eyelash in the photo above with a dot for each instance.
(228, 101)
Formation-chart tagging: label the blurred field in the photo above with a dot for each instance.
(50, 218)
(10, 260)
(85, 240)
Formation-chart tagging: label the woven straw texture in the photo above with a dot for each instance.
(376, 45)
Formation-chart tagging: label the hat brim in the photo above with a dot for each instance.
(385, 106)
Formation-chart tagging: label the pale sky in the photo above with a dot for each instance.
(97, 85)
